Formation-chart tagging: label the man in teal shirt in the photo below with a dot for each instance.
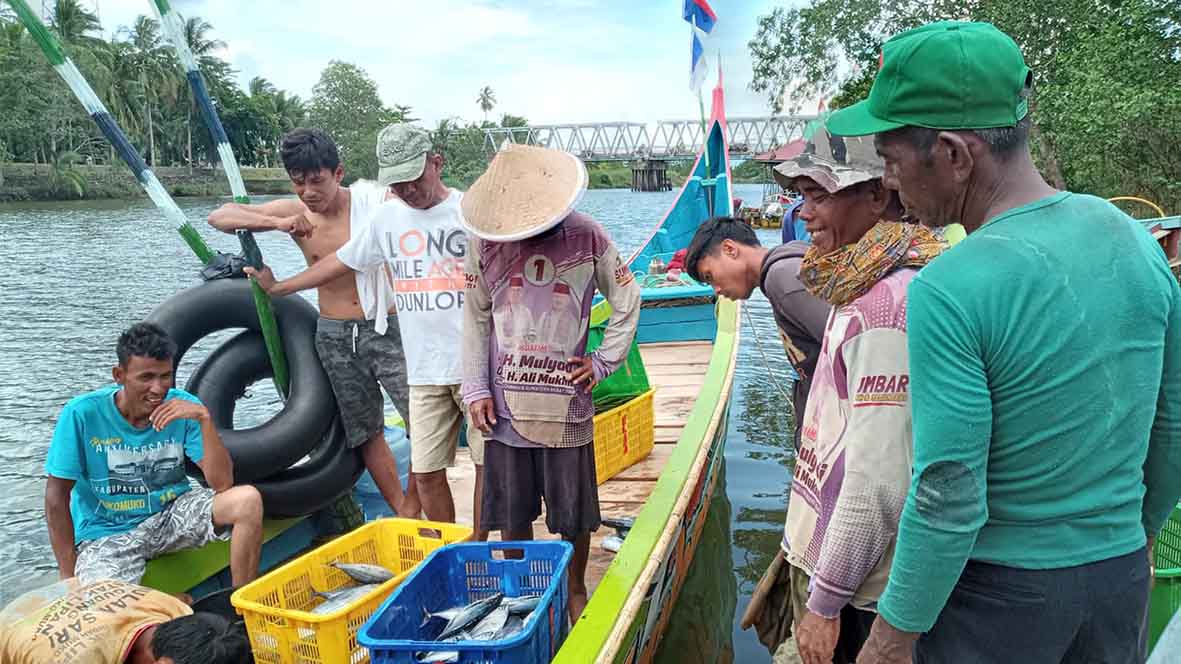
(1045, 355)
(117, 494)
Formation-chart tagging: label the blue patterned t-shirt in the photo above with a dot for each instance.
(123, 475)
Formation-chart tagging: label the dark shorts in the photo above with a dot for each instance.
(357, 359)
(516, 479)
(1092, 613)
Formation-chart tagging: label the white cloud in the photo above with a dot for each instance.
(555, 61)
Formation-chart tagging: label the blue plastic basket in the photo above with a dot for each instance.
(461, 573)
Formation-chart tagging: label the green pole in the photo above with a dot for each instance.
(172, 25)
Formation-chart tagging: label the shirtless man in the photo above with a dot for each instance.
(359, 346)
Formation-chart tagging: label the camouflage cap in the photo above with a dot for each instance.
(401, 153)
(835, 162)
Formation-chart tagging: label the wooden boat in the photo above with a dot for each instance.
(688, 339)
(689, 342)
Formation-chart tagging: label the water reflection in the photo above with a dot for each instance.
(699, 629)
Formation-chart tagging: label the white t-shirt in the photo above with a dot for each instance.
(374, 290)
(424, 250)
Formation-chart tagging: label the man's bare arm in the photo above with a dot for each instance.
(284, 214)
(61, 524)
(326, 269)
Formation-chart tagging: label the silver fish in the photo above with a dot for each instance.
(445, 614)
(612, 543)
(490, 626)
(439, 656)
(512, 627)
(363, 573)
(470, 615)
(521, 606)
(339, 599)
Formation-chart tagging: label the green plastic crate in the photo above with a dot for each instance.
(629, 381)
(1166, 587)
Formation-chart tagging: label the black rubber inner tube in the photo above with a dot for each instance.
(331, 469)
(306, 417)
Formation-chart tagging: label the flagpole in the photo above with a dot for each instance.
(707, 183)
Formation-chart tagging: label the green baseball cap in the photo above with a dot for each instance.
(401, 153)
(945, 75)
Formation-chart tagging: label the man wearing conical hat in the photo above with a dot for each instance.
(533, 400)
(420, 237)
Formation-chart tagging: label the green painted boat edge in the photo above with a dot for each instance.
(593, 631)
(182, 571)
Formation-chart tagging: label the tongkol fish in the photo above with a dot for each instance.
(522, 606)
(339, 599)
(364, 573)
(512, 627)
(470, 615)
(490, 626)
(445, 614)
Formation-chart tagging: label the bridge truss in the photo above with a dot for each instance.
(671, 139)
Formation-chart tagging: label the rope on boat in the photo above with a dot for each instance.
(173, 27)
(98, 112)
(767, 364)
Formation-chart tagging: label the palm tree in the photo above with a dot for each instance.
(157, 74)
(197, 37)
(64, 176)
(202, 46)
(486, 100)
(73, 23)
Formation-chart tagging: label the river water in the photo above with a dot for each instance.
(73, 275)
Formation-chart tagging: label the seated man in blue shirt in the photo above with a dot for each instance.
(117, 494)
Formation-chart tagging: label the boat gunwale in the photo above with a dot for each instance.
(703, 443)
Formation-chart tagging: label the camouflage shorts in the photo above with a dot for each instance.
(357, 359)
(186, 523)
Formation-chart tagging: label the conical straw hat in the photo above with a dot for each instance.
(525, 191)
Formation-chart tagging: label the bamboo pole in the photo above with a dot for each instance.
(98, 112)
(173, 27)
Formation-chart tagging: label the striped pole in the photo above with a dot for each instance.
(173, 28)
(102, 117)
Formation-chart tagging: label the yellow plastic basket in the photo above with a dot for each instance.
(624, 435)
(276, 607)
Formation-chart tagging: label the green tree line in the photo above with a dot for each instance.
(1107, 77)
(139, 78)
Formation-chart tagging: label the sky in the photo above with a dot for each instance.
(553, 61)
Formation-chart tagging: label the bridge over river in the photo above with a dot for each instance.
(667, 140)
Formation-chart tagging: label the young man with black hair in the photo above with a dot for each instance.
(117, 494)
(726, 253)
(358, 336)
(112, 622)
(420, 238)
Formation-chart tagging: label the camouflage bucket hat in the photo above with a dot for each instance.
(835, 162)
(401, 153)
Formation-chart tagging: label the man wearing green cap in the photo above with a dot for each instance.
(420, 236)
(1045, 354)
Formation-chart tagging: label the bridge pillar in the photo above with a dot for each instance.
(650, 175)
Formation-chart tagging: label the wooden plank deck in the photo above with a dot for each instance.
(677, 371)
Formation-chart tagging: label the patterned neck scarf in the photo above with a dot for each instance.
(848, 273)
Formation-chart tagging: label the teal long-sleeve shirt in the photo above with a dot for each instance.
(1045, 359)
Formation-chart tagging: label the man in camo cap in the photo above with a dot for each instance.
(420, 236)
(853, 446)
